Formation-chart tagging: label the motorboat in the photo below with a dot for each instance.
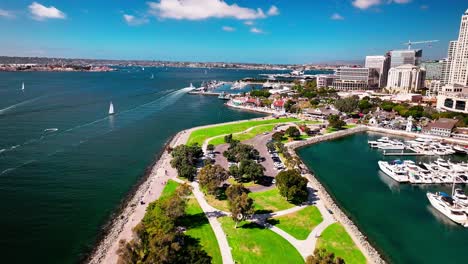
(395, 169)
(460, 197)
(445, 204)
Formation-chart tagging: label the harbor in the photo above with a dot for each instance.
(383, 209)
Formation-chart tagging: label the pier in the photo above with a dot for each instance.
(204, 93)
(403, 154)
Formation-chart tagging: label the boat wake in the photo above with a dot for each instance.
(11, 107)
(53, 141)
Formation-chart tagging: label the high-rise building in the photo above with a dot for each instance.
(406, 79)
(381, 64)
(349, 78)
(447, 63)
(433, 69)
(459, 65)
(325, 80)
(402, 57)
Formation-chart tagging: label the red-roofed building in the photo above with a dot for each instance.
(278, 105)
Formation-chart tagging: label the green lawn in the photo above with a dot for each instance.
(218, 204)
(200, 135)
(335, 239)
(270, 200)
(245, 136)
(199, 228)
(300, 223)
(350, 126)
(169, 189)
(252, 244)
(287, 139)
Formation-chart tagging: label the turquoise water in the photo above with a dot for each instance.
(58, 188)
(397, 218)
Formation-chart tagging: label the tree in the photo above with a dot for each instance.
(277, 136)
(238, 151)
(364, 105)
(288, 105)
(250, 170)
(335, 122)
(321, 256)
(240, 204)
(184, 159)
(348, 104)
(210, 148)
(228, 138)
(293, 132)
(292, 186)
(211, 176)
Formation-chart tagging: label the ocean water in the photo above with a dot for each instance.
(65, 165)
(397, 218)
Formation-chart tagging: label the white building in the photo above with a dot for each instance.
(405, 79)
(381, 64)
(349, 79)
(447, 63)
(459, 65)
(434, 87)
(325, 80)
(454, 98)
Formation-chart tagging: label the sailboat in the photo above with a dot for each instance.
(111, 109)
(22, 87)
(152, 76)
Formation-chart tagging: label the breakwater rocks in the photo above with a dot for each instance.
(363, 244)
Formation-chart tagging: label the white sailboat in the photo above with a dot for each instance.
(111, 109)
(22, 87)
(152, 76)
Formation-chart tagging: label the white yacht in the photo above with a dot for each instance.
(111, 109)
(445, 204)
(22, 86)
(395, 169)
(460, 197)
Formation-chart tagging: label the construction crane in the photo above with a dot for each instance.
(409, 43)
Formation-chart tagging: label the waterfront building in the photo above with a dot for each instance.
(442, 127)
(403, 57)
(278, 106)
(453, 98)
(405, 79)
(325, 80)
(459, 65)
(349, 78)
(433, 69)
(447, 63)
(381, 64)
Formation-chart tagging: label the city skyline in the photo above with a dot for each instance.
(230, 31)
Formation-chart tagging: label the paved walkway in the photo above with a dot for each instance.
(212, 214)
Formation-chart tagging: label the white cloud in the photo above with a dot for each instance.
(337, 16)
(273, 11)
(256, 30)
(6, 14)
(365, 4)
(40, 12)
(135, 21)
(202, 9)
(249, 23)
(228, 29)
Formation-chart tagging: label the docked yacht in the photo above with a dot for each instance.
(460, 150)
(446, 205)
(395, 169)
(460, 197)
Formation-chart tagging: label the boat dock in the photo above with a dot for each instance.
(403, 154)
(204, 93)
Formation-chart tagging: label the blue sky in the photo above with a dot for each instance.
(270, 31)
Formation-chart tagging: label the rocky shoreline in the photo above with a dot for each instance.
(372, 255)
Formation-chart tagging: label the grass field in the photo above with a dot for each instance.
(335, 239)
(169, 189)
(247, 135)
(199, 228)
(218, 204)
(252, 244)
(300, 223)
(350, 126)
(270, 200)
(200, 135)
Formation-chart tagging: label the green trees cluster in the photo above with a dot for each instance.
(240, 204)
(292, 186)
(347, 104)
(248, 170)
(278, 136)
(260, 93)
(293, 132)
(210, 177)
(238, 151)
(321, 256)
(159, 240)
(184, 159)
(334, 121)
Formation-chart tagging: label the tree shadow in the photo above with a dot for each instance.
(263, 211)
(192, 221)
(272, 221)
(252, 225)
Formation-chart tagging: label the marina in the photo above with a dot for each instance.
(360, 188)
